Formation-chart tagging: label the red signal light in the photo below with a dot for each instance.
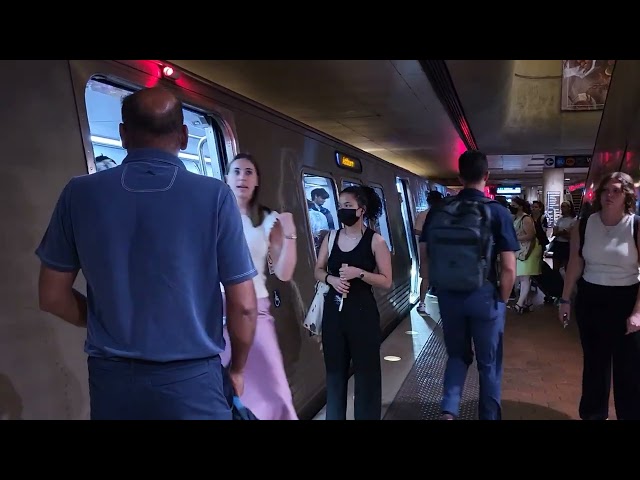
(170, 72)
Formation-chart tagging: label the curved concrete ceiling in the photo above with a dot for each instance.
(388, 108)
(513, 108)
(384, 107)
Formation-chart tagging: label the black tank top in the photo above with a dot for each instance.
(360, 257)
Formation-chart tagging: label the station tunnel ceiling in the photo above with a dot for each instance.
(389, 109)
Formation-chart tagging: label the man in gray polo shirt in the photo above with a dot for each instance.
(153, 265)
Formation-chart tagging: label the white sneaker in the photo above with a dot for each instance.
(421, 308)
(432, 307)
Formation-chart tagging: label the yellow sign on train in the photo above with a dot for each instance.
(348, 163)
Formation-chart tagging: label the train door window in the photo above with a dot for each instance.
(381, 225)
(405, 205)
(203, 154)
(349, 183)
(321, 198)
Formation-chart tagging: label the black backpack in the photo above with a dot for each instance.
(583, 228)
(459, 243)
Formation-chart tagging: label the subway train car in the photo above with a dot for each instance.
(61, 120)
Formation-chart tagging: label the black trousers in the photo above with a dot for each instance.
(352, 335)
(601, 315)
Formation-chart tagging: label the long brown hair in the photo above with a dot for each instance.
(257, 212)
(628, 189)
(526, 206)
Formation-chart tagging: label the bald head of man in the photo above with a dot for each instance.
(152, 118)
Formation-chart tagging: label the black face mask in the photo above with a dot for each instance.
(513, 209)
(348, 216)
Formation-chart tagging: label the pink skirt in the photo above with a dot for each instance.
(266, 388)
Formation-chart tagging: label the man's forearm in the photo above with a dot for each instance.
(507, 281)
(241, 325)
(71, 308)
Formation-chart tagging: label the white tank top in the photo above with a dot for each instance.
(258, 242)
(610, 257)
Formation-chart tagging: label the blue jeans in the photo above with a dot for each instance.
(122, 389)
(479, 317)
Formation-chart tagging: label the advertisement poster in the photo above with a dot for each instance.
(585, 84)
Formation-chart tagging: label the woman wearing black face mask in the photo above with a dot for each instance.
(351, 321)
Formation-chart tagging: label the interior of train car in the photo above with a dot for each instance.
(103, 101)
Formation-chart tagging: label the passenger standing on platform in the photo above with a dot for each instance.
(562, 231)
(528, 258)
(433, 198)
(153, 265)
(266, 393)
(603, 261)
(351, 321)
(541, 223)
(462, 268)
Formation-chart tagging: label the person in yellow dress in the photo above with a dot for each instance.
(528, 257)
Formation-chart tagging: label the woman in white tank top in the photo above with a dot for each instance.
(605, 268)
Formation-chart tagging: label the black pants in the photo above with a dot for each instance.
(352, 334)
(601, 314)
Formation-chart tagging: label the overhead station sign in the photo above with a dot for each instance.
(509, 190)
(573, 161)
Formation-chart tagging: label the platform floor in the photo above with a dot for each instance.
(542, 370)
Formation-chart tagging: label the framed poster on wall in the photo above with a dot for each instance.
(585, 84)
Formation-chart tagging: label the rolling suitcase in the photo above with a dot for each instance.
(550, 282)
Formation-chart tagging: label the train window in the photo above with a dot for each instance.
(382, 224)
(322, 204)
(348, 183)
(104, 100)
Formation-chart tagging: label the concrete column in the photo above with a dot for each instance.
(553, 188)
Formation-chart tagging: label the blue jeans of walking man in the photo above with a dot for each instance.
(479, 317)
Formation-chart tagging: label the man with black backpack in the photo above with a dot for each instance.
(464, 235)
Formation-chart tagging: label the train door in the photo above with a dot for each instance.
(405, 204)
(382, 224)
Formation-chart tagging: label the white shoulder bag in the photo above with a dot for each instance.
(313, 320)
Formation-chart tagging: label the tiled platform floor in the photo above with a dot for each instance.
(542, 369)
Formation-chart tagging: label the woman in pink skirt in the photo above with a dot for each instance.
(266, 388)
